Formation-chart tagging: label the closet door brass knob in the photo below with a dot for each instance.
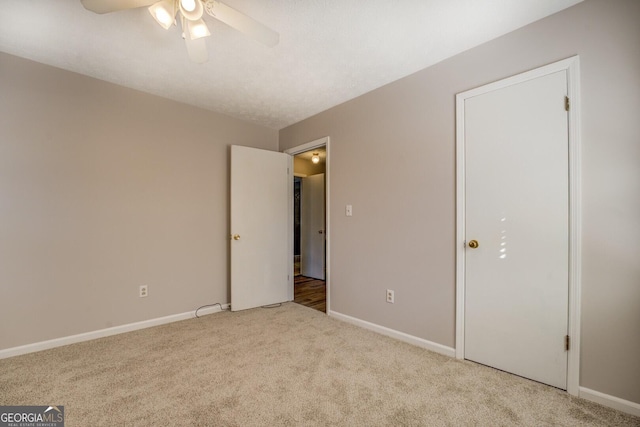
(473, 244)
(236, 237)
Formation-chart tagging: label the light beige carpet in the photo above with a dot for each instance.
(285, 366)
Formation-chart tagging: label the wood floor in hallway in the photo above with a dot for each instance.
(310, 292)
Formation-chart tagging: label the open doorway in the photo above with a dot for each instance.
(309, 227)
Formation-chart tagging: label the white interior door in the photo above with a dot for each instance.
(260, 250)
(517, 209)
(312, 227)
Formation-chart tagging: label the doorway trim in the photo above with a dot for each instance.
(322, 142)
(572, 67)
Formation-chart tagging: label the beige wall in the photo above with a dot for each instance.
(402, 232)
(103, 189)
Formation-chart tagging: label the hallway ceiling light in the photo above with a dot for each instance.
(315, 158)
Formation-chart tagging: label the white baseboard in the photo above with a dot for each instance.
(611, 401)
(101, 333)
(420, 342)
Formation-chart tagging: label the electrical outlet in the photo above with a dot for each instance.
(390, 296)
(144, 291)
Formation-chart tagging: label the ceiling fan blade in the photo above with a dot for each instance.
(197, 49)
(242, 23)
(106, 6)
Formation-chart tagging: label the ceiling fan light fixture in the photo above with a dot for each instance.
(191, 9)
(197, 29)
(189, 5)
(164, 13)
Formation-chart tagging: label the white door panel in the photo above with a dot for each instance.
(259, 222)
(312, 227)
(517, 198)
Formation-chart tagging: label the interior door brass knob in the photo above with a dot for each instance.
(236, 237)
(473, 244)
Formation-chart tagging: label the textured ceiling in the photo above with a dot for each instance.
(330, 51)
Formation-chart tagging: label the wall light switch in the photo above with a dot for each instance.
(349, 210)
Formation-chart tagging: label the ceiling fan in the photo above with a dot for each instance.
(190, 14)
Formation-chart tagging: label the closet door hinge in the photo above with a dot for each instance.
(567, 343)
(567, 104)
